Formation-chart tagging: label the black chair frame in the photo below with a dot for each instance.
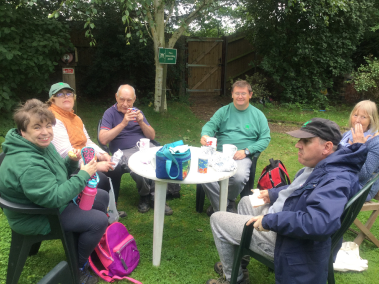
(352, 208)
(200, 194)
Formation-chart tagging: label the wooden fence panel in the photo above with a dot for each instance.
(240, 53)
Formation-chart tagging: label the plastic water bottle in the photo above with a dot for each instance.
(87, 196)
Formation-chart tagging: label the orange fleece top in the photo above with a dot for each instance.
(73, 124)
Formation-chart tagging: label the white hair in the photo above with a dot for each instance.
(118, 90)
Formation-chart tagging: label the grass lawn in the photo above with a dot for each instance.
(188, 251)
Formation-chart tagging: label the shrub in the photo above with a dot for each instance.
(366, 78)
(259, 86)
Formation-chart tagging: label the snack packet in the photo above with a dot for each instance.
(116, 157)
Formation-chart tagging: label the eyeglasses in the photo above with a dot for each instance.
(61, 95)
(240, 94)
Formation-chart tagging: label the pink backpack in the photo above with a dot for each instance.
(116, 255)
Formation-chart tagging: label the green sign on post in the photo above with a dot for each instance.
(167, 55)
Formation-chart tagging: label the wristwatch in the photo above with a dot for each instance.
(247, 152)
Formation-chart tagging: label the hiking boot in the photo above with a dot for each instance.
(122, 214)
(85, 277)
(143, 205)
(167, 210)
(173, 191)
(218, 268)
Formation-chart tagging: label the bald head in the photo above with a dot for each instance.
(128, 88)
(125, 98)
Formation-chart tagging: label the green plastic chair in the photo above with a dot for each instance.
(351, 211)
(24, 245)
(200, 194)
(58, 275)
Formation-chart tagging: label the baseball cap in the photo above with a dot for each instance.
(319, 127)
(59, 86)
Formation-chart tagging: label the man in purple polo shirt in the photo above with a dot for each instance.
(122, 128)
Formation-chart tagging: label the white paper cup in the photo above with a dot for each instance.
(229, 150)
(143, 144)
(212, 142)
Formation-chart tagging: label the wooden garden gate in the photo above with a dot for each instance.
(213, 62)
(204, 67)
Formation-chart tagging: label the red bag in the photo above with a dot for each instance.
(273, 175)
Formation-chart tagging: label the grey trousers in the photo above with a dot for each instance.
(236, 184)
(227, 231)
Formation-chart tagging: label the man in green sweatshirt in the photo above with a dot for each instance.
(244, 126)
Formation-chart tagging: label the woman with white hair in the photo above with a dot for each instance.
(363, 124)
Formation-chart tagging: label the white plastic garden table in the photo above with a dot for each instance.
(148, 171)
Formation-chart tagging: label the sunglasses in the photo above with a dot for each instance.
(61, 95)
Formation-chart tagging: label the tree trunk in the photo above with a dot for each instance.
(159, 41)
(164, 89)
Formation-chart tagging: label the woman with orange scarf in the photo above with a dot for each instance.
(70, 133)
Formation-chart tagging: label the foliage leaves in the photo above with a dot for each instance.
(30, 46)
(305, 44)
(366, 78)
(115, 63)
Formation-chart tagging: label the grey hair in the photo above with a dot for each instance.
(118, 90)
(322, 142)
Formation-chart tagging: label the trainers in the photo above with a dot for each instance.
(218, 268)
(167, 210)
(122, 214)
(143, 205)
(85, 277)
(210, 211)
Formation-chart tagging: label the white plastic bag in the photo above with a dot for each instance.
(348, 258)
(112, 210)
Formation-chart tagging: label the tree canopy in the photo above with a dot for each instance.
(30, 46)
(304, 44)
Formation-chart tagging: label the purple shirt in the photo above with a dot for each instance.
(129, 136)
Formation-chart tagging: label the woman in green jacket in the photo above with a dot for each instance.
(34, 173)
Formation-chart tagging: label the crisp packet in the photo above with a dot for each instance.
(116, 157)
(221, 163)
(207, 150)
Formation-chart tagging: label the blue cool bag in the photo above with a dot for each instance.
(172, 166)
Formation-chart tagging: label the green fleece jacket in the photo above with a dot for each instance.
(30, 174)
(243, 128)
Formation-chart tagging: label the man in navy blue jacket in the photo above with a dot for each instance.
(295, 224)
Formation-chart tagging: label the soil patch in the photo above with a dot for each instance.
(204, 106)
